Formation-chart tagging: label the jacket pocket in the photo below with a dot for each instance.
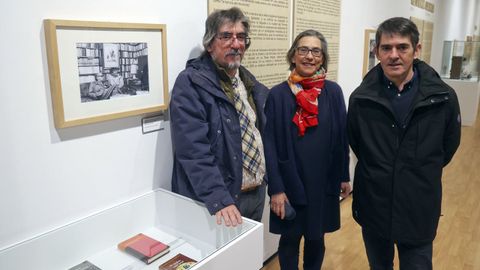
(428, 133)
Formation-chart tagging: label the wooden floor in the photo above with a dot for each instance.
(457, 245)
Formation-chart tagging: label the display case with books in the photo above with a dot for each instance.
(461, 60)
(156, 229)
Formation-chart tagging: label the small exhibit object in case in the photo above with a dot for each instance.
(86, 265)
(144, 247)
(179, 262)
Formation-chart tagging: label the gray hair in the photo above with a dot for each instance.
(218, 18)
(309, 33)
(398, 25)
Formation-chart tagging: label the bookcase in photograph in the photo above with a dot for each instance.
(89, 58)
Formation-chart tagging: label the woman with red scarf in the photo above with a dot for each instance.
(306, 153)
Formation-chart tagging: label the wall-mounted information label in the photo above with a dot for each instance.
(153, 123)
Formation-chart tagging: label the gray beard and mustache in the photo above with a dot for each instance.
(233, 65)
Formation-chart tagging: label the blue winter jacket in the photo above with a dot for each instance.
(206, 134)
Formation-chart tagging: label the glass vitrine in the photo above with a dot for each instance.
(461, 60)
(185, 225)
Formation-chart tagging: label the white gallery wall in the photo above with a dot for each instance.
(455, 20)
(50, 177)
(367, 14)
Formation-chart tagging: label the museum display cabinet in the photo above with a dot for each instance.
(461, 60)
(460, 69)
(183, 224)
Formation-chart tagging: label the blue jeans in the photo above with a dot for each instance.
(380, 253)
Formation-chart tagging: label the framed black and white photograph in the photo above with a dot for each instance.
(100, 70)
(112, 70)
(369, 57)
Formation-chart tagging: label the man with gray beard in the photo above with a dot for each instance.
(217, 119)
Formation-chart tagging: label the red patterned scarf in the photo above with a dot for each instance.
(306, 91)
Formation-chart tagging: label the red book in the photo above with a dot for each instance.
(145, 248)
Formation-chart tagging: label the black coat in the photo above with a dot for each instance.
(397, 183)
(308, 169)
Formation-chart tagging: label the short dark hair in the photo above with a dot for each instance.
(309, 33)
(218, 18)
(398, 25)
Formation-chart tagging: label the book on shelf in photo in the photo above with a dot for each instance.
(86, 265)
(179, 262)
(144, 247)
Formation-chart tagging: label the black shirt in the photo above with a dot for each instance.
(401, 100)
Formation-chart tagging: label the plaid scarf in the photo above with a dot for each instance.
(306, 91)
(250, 150)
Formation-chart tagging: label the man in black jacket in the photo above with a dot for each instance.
(404, 127)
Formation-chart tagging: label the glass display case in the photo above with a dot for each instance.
(185, 225)
(461, 60)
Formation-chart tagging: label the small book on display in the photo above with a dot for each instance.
(86, 265)
(144, 248)
(179, 262)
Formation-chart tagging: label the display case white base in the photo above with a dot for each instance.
(468, 92)
(180, 222)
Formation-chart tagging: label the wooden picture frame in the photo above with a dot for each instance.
(88, 86)
(369, 57)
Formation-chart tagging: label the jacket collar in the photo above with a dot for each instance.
(204, 69)
(207, 74)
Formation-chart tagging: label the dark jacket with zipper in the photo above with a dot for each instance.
(206, 133)
(397, 183)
